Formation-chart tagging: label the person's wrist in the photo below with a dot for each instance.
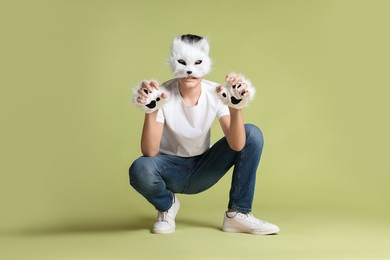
(152, 114)
(234, 110)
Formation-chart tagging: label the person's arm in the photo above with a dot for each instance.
(233, 125)
(152, 130)
(151, 135)
(234, 130)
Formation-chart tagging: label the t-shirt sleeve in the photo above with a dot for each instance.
(223, 110)
(160, 117)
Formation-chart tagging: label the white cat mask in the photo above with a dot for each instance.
(190, 56)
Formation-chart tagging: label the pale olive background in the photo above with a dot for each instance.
(69, 134)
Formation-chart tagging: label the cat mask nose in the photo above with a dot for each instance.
(189, 72)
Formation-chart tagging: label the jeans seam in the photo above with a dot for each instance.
(238, 188)
(189, 177)
(161, 173)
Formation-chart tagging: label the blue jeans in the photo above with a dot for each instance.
(157, 178)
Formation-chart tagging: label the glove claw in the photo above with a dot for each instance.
(155, 99)
(232, 97)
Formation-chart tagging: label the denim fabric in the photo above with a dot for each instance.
(157, 178)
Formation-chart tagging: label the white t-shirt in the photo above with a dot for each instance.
(187, 129)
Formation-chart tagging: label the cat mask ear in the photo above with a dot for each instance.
(189, 56)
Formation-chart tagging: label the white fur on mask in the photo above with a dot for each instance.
(190, 54)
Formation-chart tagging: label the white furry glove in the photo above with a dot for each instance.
(238, 91)
(149, 96)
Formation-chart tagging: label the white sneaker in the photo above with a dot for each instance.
(166, 220)
(247, 223)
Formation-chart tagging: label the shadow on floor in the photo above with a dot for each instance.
(109, 226)
(104, 226)
(197, 223)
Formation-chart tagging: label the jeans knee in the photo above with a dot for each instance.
(254, 135)
(141, 172)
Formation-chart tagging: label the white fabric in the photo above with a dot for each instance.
(187, 129)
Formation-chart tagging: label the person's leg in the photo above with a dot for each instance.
(244, 173)
(157, 178)
(220, 158)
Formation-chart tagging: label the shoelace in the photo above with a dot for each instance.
(250, 217)
(162, 216)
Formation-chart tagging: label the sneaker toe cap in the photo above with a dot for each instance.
(268, 228)
(163, 227)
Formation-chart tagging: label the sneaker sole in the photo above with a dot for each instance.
(163, 231)
(234, 230)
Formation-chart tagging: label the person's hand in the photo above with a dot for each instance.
(238, 91)
(149, 96)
